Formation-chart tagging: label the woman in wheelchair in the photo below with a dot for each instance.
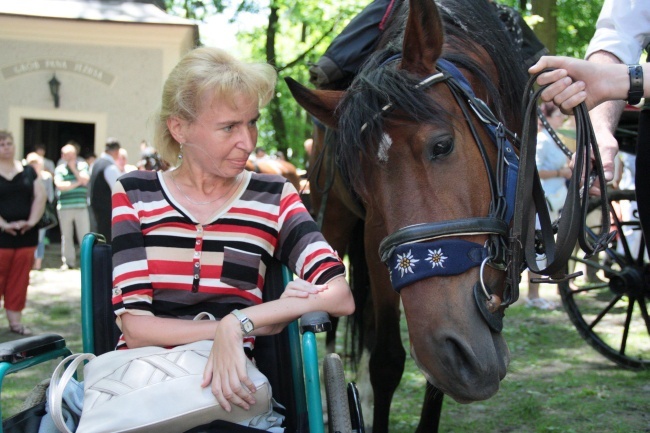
(199, 238)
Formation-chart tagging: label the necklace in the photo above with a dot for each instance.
(203, 203)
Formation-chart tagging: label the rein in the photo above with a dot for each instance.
(530, 202)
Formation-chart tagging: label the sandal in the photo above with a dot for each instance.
(20, 330)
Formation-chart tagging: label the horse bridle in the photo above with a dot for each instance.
(516, 197)
(455, 256)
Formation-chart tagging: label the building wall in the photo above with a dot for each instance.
(111, 74)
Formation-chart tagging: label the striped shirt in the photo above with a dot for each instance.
(75, 198)
(167, 264)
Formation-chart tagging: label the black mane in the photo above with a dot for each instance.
(467, 23)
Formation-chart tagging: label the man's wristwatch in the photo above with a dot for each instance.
(247, 324)
(636, 84)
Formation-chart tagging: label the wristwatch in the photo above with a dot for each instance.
(247, 324)
(636, 84)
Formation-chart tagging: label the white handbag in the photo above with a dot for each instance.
(149, 389)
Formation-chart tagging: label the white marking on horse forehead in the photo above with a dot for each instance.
(384, 147)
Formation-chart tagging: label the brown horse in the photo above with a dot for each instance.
(275, 166)
(427, 162)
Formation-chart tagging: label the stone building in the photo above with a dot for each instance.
(109, 58)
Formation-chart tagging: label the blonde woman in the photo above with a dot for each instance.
(199, 237)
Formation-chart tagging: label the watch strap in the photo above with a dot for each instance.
(635, 93)
(247, 325)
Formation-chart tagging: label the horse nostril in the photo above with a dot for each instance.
(460, 354)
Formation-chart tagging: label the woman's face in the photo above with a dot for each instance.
(7, 148)
(223, 135)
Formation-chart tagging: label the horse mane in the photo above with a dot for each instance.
(468, 24)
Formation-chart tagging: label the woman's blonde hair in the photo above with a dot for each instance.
(207, 71)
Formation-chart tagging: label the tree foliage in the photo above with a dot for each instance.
(296, 33)
(575, 22)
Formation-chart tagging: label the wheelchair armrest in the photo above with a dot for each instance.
(316, 321)
(29, 347)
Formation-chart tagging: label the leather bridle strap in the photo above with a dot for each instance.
(430, 231)
(530, 202)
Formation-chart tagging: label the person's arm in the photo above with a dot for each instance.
(38, 206)
(111, 173)
(314, 260)
(132, 289)
(226, 371)
(605, 117)
(594, 82)
(81, 178)
(574, 81)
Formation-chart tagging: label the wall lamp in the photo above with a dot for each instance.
(55, 85)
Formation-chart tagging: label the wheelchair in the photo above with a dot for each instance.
(289, 361)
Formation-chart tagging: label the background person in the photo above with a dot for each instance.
(200, 237)
(71, 179)
(35, 160)
(22, 202)
(123, 161)
(48, 164)
(103, 176)
(341, 61)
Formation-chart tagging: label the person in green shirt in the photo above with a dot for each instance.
(71, 178)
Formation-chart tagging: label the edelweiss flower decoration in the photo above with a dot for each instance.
(405, 263)
(436, 258)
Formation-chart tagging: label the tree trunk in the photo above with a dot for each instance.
(546, 30)
(279, 128)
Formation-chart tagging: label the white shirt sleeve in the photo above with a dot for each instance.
(111, 173)
(623, 29)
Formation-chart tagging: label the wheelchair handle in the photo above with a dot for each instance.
(316, 321)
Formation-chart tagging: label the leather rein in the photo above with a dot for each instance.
(525, 241)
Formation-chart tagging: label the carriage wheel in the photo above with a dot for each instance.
(338, 411)
(609, 303)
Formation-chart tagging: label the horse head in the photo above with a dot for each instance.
(418, 144)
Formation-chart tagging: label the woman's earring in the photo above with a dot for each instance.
(180, 152)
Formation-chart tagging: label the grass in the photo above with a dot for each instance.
(555, 383)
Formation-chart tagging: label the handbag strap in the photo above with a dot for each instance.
(203, 315)
(58, 383)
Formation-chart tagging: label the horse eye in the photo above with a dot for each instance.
(441, 147)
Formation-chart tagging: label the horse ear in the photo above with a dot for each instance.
(423, 38)
(319, 103)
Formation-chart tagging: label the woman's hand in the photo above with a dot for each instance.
(12, 228)
(25, 226)
(226, 367)
(301, 289)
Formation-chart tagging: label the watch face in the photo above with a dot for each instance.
(248, 326)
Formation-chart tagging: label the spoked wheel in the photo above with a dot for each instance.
(609, 303)
(338, 411)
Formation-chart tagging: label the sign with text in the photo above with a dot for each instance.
(77, 67)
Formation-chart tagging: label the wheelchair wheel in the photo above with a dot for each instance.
(338, 411)
(609, 304)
